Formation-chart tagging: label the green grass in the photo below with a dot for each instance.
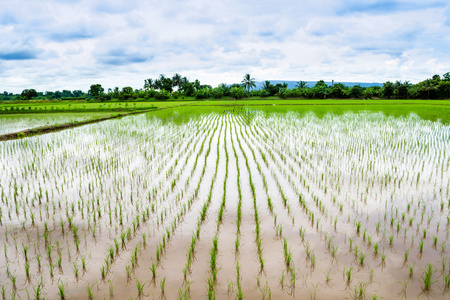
(75, 106)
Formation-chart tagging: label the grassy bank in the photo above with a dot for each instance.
(69, 106)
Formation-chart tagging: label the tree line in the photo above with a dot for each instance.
(177, 86)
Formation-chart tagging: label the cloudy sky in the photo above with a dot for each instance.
(70, 44)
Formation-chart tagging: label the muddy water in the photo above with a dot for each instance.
(146, 180)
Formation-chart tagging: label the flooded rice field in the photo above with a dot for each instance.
(13, 123)
(228, 205)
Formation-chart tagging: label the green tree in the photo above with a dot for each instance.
(96, 90)
(428, 86)
(188, 89)
(447, 76)
(225, 89)
(157, 84)
(248, 82)
(373, 91)
(162, 95)
(116, 92)
(388, 89)
(320, 89)
(78, 93)
(165, 83)
(27, 94)
(270, 89)
(176, 80)
(436, 78)
(283, 93)
(356, 91)
(203, 93)
(149, 84)
(237, 92)
(339, 90)
(67, 94)
(126, 93)
(401, 89)
(49, 94)
(444, 89)
(197, 84)
(301, 85)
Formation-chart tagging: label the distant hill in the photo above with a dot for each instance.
(291, 84)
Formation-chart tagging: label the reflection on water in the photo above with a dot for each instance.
(14, 123)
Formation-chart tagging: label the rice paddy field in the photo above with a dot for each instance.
(229, 203)
(18, 122)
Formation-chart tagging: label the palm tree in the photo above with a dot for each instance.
(428, 86)
(301, 85)
(165, 83)
(149, 84)
(225, 89)
(248, 82)
(176, 80)
(157, 84)
(266, 85)
(197, 84)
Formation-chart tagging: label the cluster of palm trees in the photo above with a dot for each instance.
(177, 81)
(165, 83)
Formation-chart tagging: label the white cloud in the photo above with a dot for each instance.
(64, 44)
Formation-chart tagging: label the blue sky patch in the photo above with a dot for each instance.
(18, 55)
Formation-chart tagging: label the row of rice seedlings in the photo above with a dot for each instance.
(266, 291)
(302, 202)
(258, 240)
(237, 242)
(286, 249)
(300, 196)
(287, 252)
(211, 281)
(203, 213)
(224, 192)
